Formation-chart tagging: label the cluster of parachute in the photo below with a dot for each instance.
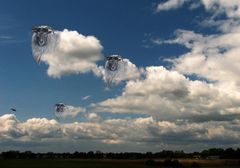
(44, 39)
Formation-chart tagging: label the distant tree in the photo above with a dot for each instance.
(10, 155)
(228, 153)
(149, 155)
(76, 155)
(27, 155)
(99, 154)
(90, 154)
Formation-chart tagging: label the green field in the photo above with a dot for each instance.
(71, 163)
(105, 163)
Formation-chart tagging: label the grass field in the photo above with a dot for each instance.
(76, 163)
(104, 163)
(205, 163)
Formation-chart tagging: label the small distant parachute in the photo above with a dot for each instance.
(13, 109)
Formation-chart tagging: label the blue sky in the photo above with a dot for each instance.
(147, 32)
(122, 29)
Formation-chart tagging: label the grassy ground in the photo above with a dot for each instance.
(42, 163)
(78, 163)
(218, 163)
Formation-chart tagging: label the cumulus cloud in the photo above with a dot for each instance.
(231, 8)
(167, 94)
(215, 56)
(9, 127)
(212, 58)
(40, 128)
(120, 131)
(74, 53)
(69, 52)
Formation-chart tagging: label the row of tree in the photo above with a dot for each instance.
(228, 153)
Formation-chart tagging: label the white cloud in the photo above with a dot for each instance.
(9, 127)
(92, 117)
(170, 5)
(74, 53)
(119, 131)
(40, 128)
(70, 111)
(168, 95)
(127, 71)
(230, 7)
(86, 97)
(214, 57)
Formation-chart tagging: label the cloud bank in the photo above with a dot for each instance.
(169, 95)
(114, 132)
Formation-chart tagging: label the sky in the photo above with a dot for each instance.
(181, 90)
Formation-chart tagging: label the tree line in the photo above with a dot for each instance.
(220, 153)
